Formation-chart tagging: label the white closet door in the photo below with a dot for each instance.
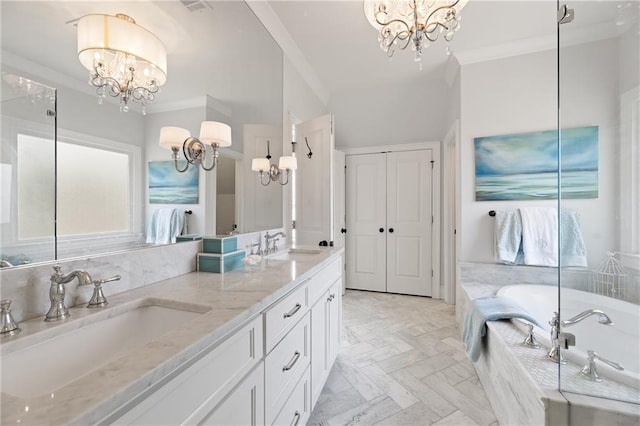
(314, 181)
(366, 222)
(409, 222)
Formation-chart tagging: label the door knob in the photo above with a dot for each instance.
(391, 230)
(343, 230)
(381, 229)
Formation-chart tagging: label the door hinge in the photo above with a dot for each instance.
(455, 232)
(293, 224)
(432, 220)
(432, 273)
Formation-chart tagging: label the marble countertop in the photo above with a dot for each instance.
(228, 300)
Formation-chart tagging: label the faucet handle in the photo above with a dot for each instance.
(9, 326)
(98, 300)
(590, 371)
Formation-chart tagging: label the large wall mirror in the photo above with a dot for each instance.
(222, 65)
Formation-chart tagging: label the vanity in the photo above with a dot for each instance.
(245, 347)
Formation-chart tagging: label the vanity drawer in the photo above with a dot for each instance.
(297, 409)
(321, 281)
(284, 367)
(281, 317)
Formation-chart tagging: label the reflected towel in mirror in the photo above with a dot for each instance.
(165, 225)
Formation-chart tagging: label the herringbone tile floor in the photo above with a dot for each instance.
(401, 363)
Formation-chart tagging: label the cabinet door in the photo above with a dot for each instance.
(334, 322)
(244, 405)
(319, 350)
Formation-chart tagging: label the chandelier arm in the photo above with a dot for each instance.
(262, 180)
(186, 166)
(214, 156)
(287, 178)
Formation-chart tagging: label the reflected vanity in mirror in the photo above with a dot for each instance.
(98, 201)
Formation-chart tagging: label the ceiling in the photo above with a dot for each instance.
(336, 46)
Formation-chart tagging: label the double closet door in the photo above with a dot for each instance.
(390, 222)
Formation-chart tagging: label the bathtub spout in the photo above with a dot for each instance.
(604, 318)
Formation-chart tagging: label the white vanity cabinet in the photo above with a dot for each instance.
(195, 392)
(326, 320)
(325, 291)
(270, 371)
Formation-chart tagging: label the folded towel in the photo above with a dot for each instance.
(508, 235)
(573, 251)
(540, 235)
(489, 308)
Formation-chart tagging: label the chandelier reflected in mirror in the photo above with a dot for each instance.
(415, 23)
(124, 59)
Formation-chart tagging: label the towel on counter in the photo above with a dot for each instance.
(489, 308)
(508, 236)
(165, 225)
(573, 251)
(540, 235)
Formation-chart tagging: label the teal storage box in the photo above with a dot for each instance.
(219, 262)
(220, 244)
(188, 237)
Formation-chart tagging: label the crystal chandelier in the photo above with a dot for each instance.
(124, 60)
(413, 22)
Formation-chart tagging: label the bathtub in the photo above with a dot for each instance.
(619, 342)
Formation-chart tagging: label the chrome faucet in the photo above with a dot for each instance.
(58, 310)
(8, 327)
(604, 318)
(268, 238)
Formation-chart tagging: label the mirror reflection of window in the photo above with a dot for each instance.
(99, 179)
(35, 186)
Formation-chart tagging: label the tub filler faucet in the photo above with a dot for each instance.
(568, 339)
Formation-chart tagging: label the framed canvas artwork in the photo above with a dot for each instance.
(524, 166)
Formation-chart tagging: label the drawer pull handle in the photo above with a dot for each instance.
(293, 311)
(293, 361)
(296, 419)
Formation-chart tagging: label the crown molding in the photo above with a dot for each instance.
(263, 10)
(569, 37)
(205, 101)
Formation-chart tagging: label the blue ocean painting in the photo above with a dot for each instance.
(168, 186)
(525, 166)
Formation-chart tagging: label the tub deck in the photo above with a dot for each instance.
(520, 382)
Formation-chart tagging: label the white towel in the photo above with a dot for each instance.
(572, 248)
(165, 225)
(508, 234)
(540, 235)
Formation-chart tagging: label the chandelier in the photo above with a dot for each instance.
(124, 60)
(413, 22)
(275, 173)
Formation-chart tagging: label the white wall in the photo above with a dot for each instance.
(414, 111)
(518, 95)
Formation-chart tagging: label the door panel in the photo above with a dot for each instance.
(409, 214)
(314, 181)
(366, 215)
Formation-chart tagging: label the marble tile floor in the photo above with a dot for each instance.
(401, 363)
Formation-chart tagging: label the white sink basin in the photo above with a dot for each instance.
(48, 365)
(298, 254)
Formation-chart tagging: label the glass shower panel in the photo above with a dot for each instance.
(27, 167)
(599, 87)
